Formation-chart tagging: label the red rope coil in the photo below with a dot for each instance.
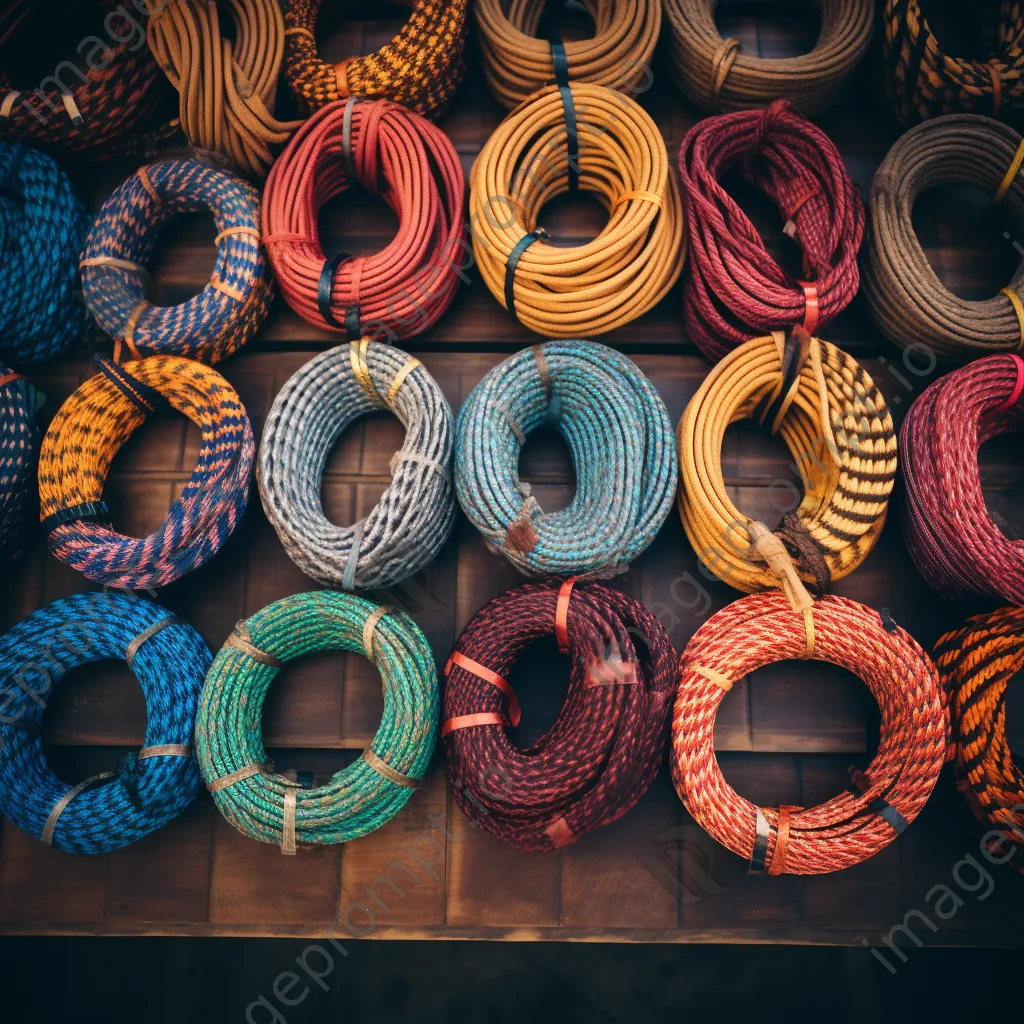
(602, 753)
(734, 290)
(953, 540)
(413, 166)
(759, 630)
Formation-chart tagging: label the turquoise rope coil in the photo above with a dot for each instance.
(622, 446)
(269, 806)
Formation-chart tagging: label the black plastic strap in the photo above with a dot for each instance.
(146, 398)
(346, 139)
(888, 622)
(561, 61)
(561, 64)
(794, 356)
(889, 815)
(759, 855)
(96, 511)
(324, 286)
(353, 323)
(514, 257)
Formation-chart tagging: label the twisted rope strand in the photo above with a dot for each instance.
(19, 451)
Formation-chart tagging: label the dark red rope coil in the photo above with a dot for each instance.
(955, 542)
(602, 753)
(734, 290)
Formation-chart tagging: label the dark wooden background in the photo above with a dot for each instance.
(786, 734)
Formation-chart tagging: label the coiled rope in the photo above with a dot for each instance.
(517, 64)
(42, 230)
(734, 289)
(412, 165)
(923, 82)
(838, 429)
(19, 451)
(226, 313)
(950, 533)
(149, 788)
(414, 516)
(420, 68)
(86, 434)
(882, 801)
(976, 664)
(616, 153)
(227, 86)
(620, 438)
(600, 756)
(906, 299)
(716, 75)
(274, 808)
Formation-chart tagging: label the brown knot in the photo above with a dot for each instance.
(805, 551)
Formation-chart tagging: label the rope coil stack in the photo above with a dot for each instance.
(924, 82)
(976, 664)
(905, 298)
(150, 788)
(268, 806)
(19, 452)
(227, 86)
(42, 229)
(621, 160)
(420, 68)
(517, 64)
(762, 629)
(950, 533)
(415, 515)
(716, 75)
(226, 313)
(82, 441)
(623, 450)
(412, 165)
(836, 425)
(734, 289)
(600, 756)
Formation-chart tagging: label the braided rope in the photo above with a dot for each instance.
(226, 313)
(622, 447)
(150, 788)
(734, 289)
(42, 229)
(905, 298)
(412, 165)
(86, 434)
(600, 756)
(420, 68)
(976, 664)
(760, 630)
(19, 451)
(950, 533)
(836, 425)
(414, 516)
(359, 798)
(516, 64)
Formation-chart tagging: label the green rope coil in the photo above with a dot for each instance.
(359, 798)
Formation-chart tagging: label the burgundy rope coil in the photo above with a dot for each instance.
(602, 753)
(734, 290)
(955, 542)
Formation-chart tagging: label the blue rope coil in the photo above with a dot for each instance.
(107, 812)
(42, 231)
(19, 453)
(623, 450)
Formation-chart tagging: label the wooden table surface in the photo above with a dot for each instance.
(787, 734)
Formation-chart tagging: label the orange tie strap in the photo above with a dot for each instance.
(459, 660)
(561, 614)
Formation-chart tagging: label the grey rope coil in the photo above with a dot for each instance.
(413, 518)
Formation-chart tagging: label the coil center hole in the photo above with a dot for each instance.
(540, 678)
(764, 28)
(545, 462)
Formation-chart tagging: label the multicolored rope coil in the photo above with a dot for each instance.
(415, 515)
(149, 788)
(734, 289)
(19, 452)
(274, 808)
(882, 801)
(413, 166)
(42, 230)
(600, 756)
(82, 441)
(950, 532)
(420, 68)
(976, 664)
(622, 447)
(226, 313)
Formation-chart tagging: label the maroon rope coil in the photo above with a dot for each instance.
(604, 750)
(734, 290)
(954, 541)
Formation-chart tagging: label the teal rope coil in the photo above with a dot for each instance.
(622, 446)
(368, 793)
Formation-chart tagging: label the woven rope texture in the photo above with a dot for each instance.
(19, 452)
